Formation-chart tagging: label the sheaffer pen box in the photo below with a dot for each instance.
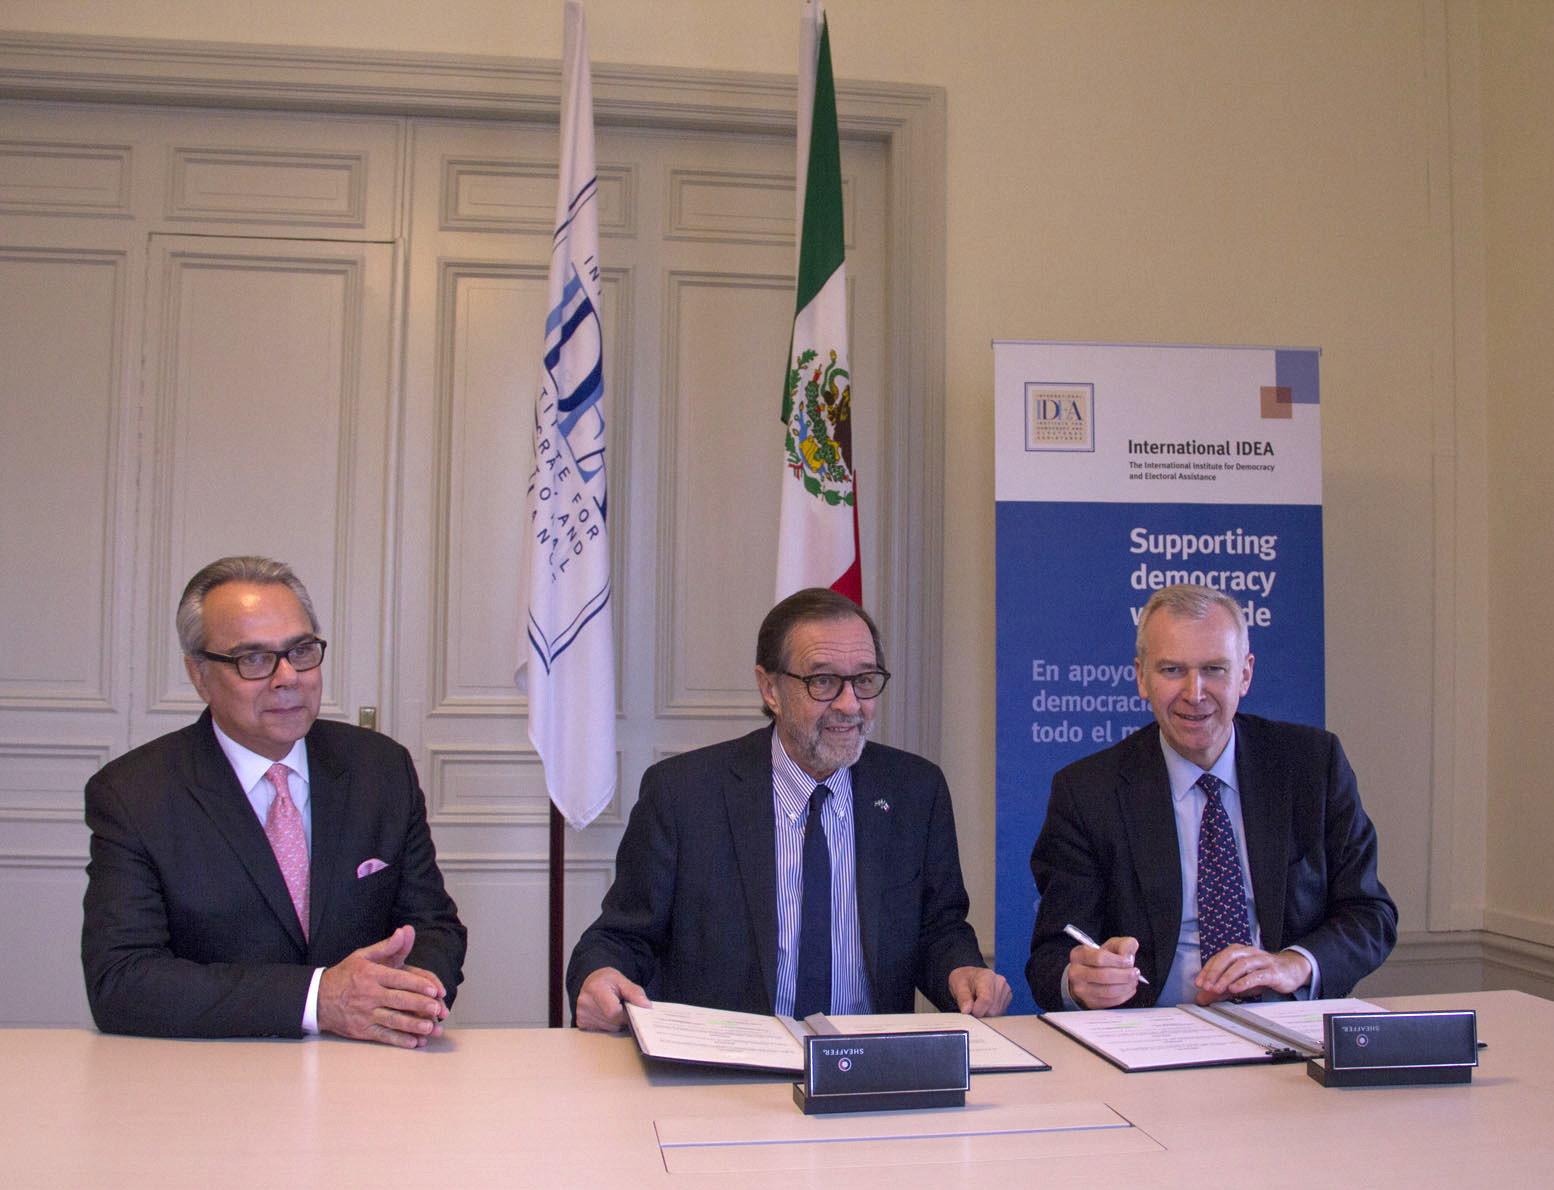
(884, 1071)
(1380, 1049)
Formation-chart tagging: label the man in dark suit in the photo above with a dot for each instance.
(261, 872)
(1119, 853)
(708, 904)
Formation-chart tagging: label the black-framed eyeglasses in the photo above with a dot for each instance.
(828, 687)
(261, 663)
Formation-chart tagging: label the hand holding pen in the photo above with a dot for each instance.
(1105, 975)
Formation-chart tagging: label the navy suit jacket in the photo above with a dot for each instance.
(692, 914)
(188, 928)
(1108, 861)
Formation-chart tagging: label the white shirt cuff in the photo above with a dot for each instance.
(1069, 1002)
(310, 1009)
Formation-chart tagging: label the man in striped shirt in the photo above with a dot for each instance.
(709, 903)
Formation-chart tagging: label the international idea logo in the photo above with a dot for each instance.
(1059, 416)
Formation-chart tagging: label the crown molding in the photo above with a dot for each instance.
(280, 77)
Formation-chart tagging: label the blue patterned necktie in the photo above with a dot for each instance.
(812, 991)
(1222, 919)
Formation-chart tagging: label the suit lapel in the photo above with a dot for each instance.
(1150, 822)
(1265, 805)
(870, 830)
(747, 798)
(328, 785)
(215, 789)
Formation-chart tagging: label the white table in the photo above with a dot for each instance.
(558, 1108)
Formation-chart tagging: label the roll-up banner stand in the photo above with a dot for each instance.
(1120, 469)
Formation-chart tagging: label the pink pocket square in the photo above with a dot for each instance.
(369, 866)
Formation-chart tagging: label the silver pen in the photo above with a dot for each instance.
(1084, 939)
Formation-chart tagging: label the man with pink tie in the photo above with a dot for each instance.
(263, 872)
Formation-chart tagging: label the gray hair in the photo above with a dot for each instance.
(240, 568)
(803, 607)
(1189, 601)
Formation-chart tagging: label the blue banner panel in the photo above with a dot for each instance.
(1072, 579)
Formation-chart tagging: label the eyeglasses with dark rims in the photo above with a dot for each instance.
(302, 656)
(828, 687)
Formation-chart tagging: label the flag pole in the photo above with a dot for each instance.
(558, 888)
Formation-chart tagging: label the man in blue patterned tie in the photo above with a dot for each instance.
(1221, 855)
(796, 869)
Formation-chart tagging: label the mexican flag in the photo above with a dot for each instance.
(817, 535)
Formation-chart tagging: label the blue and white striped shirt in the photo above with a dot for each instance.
(791, 789)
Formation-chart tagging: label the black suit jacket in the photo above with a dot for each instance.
(188, 928)
(692, 914)
(1107, 858)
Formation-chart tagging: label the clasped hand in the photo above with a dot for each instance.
(1242, 972)
(372, 995)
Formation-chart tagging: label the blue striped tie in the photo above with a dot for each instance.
(812, 992)
(1222, 919)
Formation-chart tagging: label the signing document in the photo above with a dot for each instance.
(1216, 1035)
(713, 1037)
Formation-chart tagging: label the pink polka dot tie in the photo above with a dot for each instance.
(283, 827)
(1222, 919)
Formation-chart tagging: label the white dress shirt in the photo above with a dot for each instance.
(251, 768)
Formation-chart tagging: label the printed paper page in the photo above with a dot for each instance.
(1155, 1038)
(1296, 1020)
(686, 1033)
(990, 1049)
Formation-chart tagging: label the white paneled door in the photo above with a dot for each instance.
(268, 428)
(316, 337)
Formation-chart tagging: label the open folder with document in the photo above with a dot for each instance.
(748, 1040)
(1194, 1035)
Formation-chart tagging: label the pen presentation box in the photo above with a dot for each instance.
(1383, 1049)
(884, 1071)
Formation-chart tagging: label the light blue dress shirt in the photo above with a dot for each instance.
(791, 788)
(1187, 801)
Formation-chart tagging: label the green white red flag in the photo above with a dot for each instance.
(817, 536)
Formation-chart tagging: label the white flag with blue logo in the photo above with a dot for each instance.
(570, 677)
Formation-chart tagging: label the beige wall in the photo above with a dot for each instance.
(1253, 172)
(1518, 80)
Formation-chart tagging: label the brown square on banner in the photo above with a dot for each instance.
(1277, 401)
